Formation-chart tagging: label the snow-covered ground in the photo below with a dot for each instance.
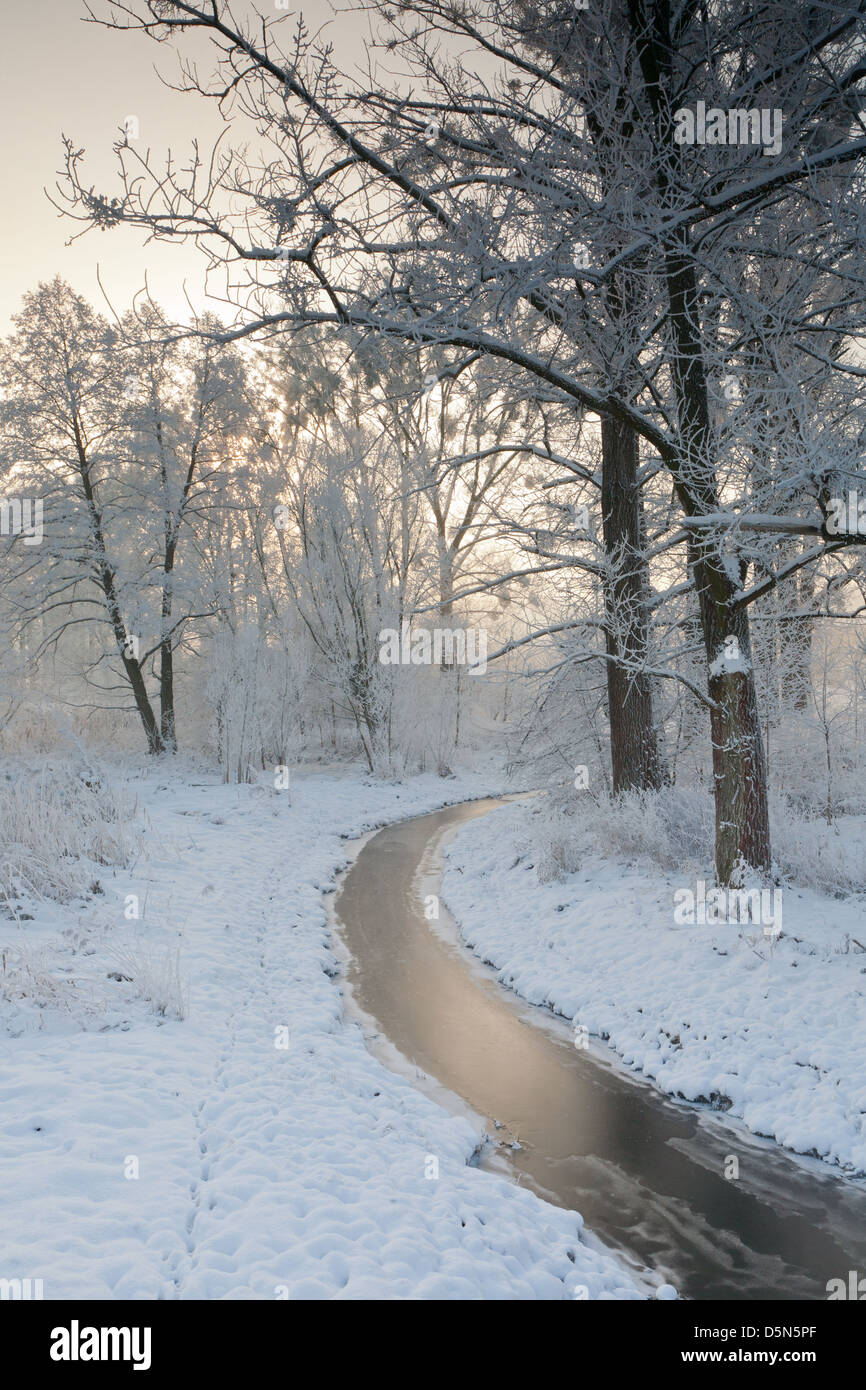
(185, 1112)
(771, 1028)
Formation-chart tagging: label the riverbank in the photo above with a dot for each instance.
(767, 1025)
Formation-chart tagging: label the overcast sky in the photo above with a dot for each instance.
(62, 75)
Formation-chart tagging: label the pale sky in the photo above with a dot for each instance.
(61, 75)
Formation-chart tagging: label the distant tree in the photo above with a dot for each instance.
(189, 413)
(64, 436)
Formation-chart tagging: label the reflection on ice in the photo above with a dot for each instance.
(646, 1174)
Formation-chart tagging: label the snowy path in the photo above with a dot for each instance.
(145, 1158)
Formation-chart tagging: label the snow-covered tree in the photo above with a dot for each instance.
(578, 195)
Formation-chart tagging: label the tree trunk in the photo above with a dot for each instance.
(166, 696)
(143, 705)
(108, 582)
(739, 765)
(166, 661)
(635, 758)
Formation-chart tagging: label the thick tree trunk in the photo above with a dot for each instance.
(739, 764)
(143, 705)
(166, 663)
(166, 696)
(635, 758)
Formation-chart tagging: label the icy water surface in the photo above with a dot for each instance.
(647, 1174)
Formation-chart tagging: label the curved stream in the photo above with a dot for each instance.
(647, 1174)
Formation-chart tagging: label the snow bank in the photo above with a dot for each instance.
(773, 1030)
(244, 1145)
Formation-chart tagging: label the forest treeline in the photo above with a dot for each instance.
(533, 351)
